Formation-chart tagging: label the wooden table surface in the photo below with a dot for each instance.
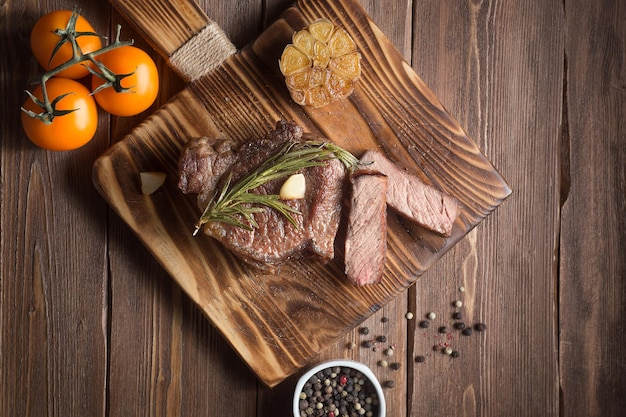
(91, 325)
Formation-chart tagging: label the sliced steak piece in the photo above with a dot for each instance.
(414, 199)
(366, 236)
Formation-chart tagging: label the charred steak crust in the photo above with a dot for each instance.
(366, 235)
(412, 198)
(201, 164)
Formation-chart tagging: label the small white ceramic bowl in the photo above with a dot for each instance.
(344, 363)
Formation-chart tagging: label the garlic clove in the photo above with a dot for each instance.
(293, 188)
(151, 181)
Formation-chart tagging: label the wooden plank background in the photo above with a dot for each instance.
(90, 325)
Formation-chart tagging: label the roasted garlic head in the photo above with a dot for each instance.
(321, 64)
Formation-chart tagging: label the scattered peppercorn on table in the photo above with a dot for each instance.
(519, 317)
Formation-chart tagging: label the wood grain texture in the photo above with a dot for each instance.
(52, 345)
(593, 239)
(92, 324)
(271, 320)
(167, 25)
(509, 286)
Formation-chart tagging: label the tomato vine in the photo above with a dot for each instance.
(69, 35)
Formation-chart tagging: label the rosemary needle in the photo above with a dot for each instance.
(234, 204)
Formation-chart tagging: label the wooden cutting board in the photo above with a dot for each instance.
(279, 322)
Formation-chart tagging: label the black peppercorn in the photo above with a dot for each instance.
(395, 366)
(367, 344)
(390, 384)
(480, 327)
(420, 359)
(364, 330)
(382, 339)
(467, 331)
(459, 325)
(443, 329)
(456, 315)
(424, 324)
(454, 354)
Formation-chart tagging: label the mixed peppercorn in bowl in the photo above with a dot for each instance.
(339, 388)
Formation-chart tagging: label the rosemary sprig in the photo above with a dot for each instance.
(234, 204)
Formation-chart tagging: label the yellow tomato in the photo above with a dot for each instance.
(43, 41)
(67, 131)
(142, 86)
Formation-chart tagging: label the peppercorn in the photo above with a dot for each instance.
(431, 316)
(364, 330)
(409, 316)
(382, 339)
(382, 363)
(390, 384)
(367, 344)
(459, 325)
(389, 352)
(454, 354)
(457, 315)
(443, 330)
(480, 327)
(467, 331)
(395, 366)
(424, 324)
(458, 304)
(420, 359)
(447, 350)
(384, 319)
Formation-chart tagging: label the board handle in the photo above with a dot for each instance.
(181, 32)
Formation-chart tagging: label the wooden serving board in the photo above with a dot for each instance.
(279, 322)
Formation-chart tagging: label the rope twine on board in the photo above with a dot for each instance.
(203, 52)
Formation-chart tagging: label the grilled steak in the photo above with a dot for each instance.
(276, 239)
(366, 236)
(412, 198)
(201, 165)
